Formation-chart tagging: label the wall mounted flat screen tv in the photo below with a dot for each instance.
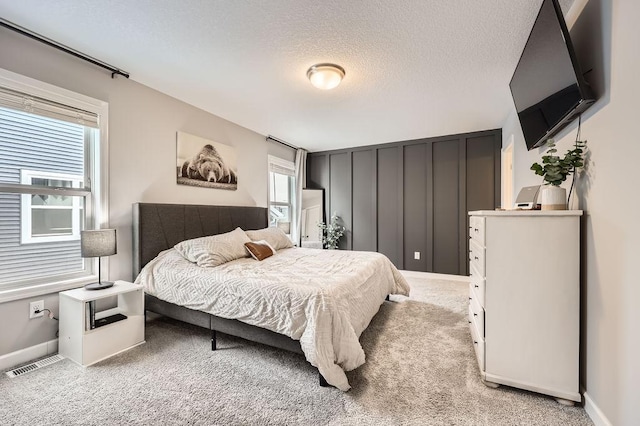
(548, 88)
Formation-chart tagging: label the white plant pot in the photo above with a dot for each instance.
(553, 198)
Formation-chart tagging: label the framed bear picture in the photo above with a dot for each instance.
(205, 163)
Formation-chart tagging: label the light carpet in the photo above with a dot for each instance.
(420, 370)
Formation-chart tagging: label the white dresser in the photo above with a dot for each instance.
(524, 299)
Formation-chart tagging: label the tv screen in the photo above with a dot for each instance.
(548, 89)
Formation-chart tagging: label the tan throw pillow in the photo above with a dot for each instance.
(216, 249)
(259, 250)
(274, 236)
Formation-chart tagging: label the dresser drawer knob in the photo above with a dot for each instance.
(475, 315)
(475, 342)
(475, 229)
(476, 286)
(475, 257)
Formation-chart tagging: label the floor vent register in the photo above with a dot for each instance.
(34, 366)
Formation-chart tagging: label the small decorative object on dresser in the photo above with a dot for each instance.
(524, 299)
(87, 336)
(555, 170)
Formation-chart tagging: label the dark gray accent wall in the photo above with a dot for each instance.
(364, 213)
(412, 196)
(446, 207)
(340, 197)
(481, 185)
(415, 233)
(389, 202)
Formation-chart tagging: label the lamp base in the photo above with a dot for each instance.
(99, 285)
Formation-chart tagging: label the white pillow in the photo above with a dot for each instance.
(274, 236)
(216, 249)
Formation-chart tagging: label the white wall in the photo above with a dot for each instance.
(606, 36)
(142, 141)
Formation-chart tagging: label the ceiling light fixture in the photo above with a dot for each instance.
(325, 76)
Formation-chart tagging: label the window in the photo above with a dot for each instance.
(52, 176)
(49, 218)
(281, 190)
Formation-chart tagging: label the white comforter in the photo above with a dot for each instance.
(324, 298)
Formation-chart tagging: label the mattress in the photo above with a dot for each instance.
(323, 298)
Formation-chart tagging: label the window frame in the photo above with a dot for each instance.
(282, 164)
(97, 212)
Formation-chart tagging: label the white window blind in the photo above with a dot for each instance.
(34, 105)
(283, 167)
(42, 197)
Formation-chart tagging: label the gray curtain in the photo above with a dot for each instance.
(301, 181)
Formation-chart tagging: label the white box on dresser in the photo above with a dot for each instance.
(524, 299)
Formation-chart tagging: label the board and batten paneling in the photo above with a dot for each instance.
(416, 237)
(413, 196)
(446, 206)
(483, 188)
(364, 213)
(340, 200)
(389, 204)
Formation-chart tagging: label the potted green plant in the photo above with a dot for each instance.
(555, 170)
(332, 232)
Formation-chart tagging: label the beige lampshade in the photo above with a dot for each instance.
(98, 242)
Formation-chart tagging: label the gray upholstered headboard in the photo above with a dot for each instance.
(157, 227)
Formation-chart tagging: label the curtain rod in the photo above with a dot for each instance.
(282, 142)
(35, 36)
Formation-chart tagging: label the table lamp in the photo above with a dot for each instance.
(98, 243)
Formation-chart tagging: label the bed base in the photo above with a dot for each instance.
(217, 324)
(214, 346)
(227, 326)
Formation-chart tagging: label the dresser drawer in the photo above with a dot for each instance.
(476, 314)
(476, 258)
(476, 229)
(478, 345)
(477, 284)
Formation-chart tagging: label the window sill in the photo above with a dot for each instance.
(9, 295)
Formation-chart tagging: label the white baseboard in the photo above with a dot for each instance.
(418, 274)
(25, 355)
(594, 412)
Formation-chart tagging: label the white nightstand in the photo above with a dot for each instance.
(86, 346)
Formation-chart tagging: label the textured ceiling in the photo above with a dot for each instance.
(415, 68)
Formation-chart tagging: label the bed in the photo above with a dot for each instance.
(315, 302)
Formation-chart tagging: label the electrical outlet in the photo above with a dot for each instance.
(416, 255)
(36, 306)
